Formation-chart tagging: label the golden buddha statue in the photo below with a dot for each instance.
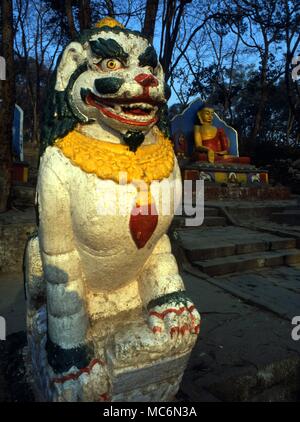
(210, 139)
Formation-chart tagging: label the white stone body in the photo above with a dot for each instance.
(88, 283)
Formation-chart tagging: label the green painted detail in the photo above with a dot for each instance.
(133, 139)
(108, 49)
(164, 122)
(149, 57)
(108, 85)
(80, 117)
(84, 92)
(60, 115)
(177, 298)
(62, 359)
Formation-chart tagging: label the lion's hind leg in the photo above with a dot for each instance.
(35, 286)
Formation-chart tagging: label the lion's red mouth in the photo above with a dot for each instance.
(143, 111)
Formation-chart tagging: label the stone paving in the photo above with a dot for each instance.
(12, 301)
(245, 351)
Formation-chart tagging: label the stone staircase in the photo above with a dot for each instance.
(212, 218)
(223, 250)
(290, 216)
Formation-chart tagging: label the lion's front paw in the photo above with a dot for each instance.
(86, 384)
(175, 314)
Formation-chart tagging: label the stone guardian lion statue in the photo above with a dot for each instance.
(108, 318)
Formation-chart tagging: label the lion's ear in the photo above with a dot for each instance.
(73, 56)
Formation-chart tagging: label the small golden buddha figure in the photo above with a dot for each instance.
(208, 138)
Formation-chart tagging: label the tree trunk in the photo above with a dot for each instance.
(262, 101)
(290, 87)
(84, 14)
(69, 13)
(150, 18)
(7, 92)
(110, 8)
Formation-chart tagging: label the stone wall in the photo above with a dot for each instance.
(13, 238)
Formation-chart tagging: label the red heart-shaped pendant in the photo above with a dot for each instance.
(143, 222)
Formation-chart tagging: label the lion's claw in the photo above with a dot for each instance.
(178, 318)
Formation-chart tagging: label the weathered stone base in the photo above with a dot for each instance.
(156, 381)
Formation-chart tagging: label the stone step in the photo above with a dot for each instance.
(208, 212)
(290, 217)
(179, 221)
(214, 221)
(208, 243)
(245, 262)
(211, 212)
(295, 207)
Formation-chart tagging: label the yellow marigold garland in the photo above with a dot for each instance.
(107, 160)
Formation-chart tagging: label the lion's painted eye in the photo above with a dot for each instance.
(110, 64)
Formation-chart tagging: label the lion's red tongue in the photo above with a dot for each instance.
(136, 111)
(143, 222)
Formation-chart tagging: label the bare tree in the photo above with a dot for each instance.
(291, 22)
(7, 92)
(84, 14)
(110, 8)
(150, 18)
(37, 44)
(70, 17)
(256, 24)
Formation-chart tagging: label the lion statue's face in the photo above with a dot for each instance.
(113, 78)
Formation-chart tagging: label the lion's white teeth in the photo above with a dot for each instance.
(143, 106)
(118, 108)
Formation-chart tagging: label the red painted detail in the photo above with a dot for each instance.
(74, 376)
(174, 330)
(184, 329)
(136, 112)
(112, 115)
(179, 311)
(20, 172)
(146, 80)
(197, 329)
(156, 330)
(104, 397)
(90, 100)
(143, 222)
(199, 156)
(264, 177)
